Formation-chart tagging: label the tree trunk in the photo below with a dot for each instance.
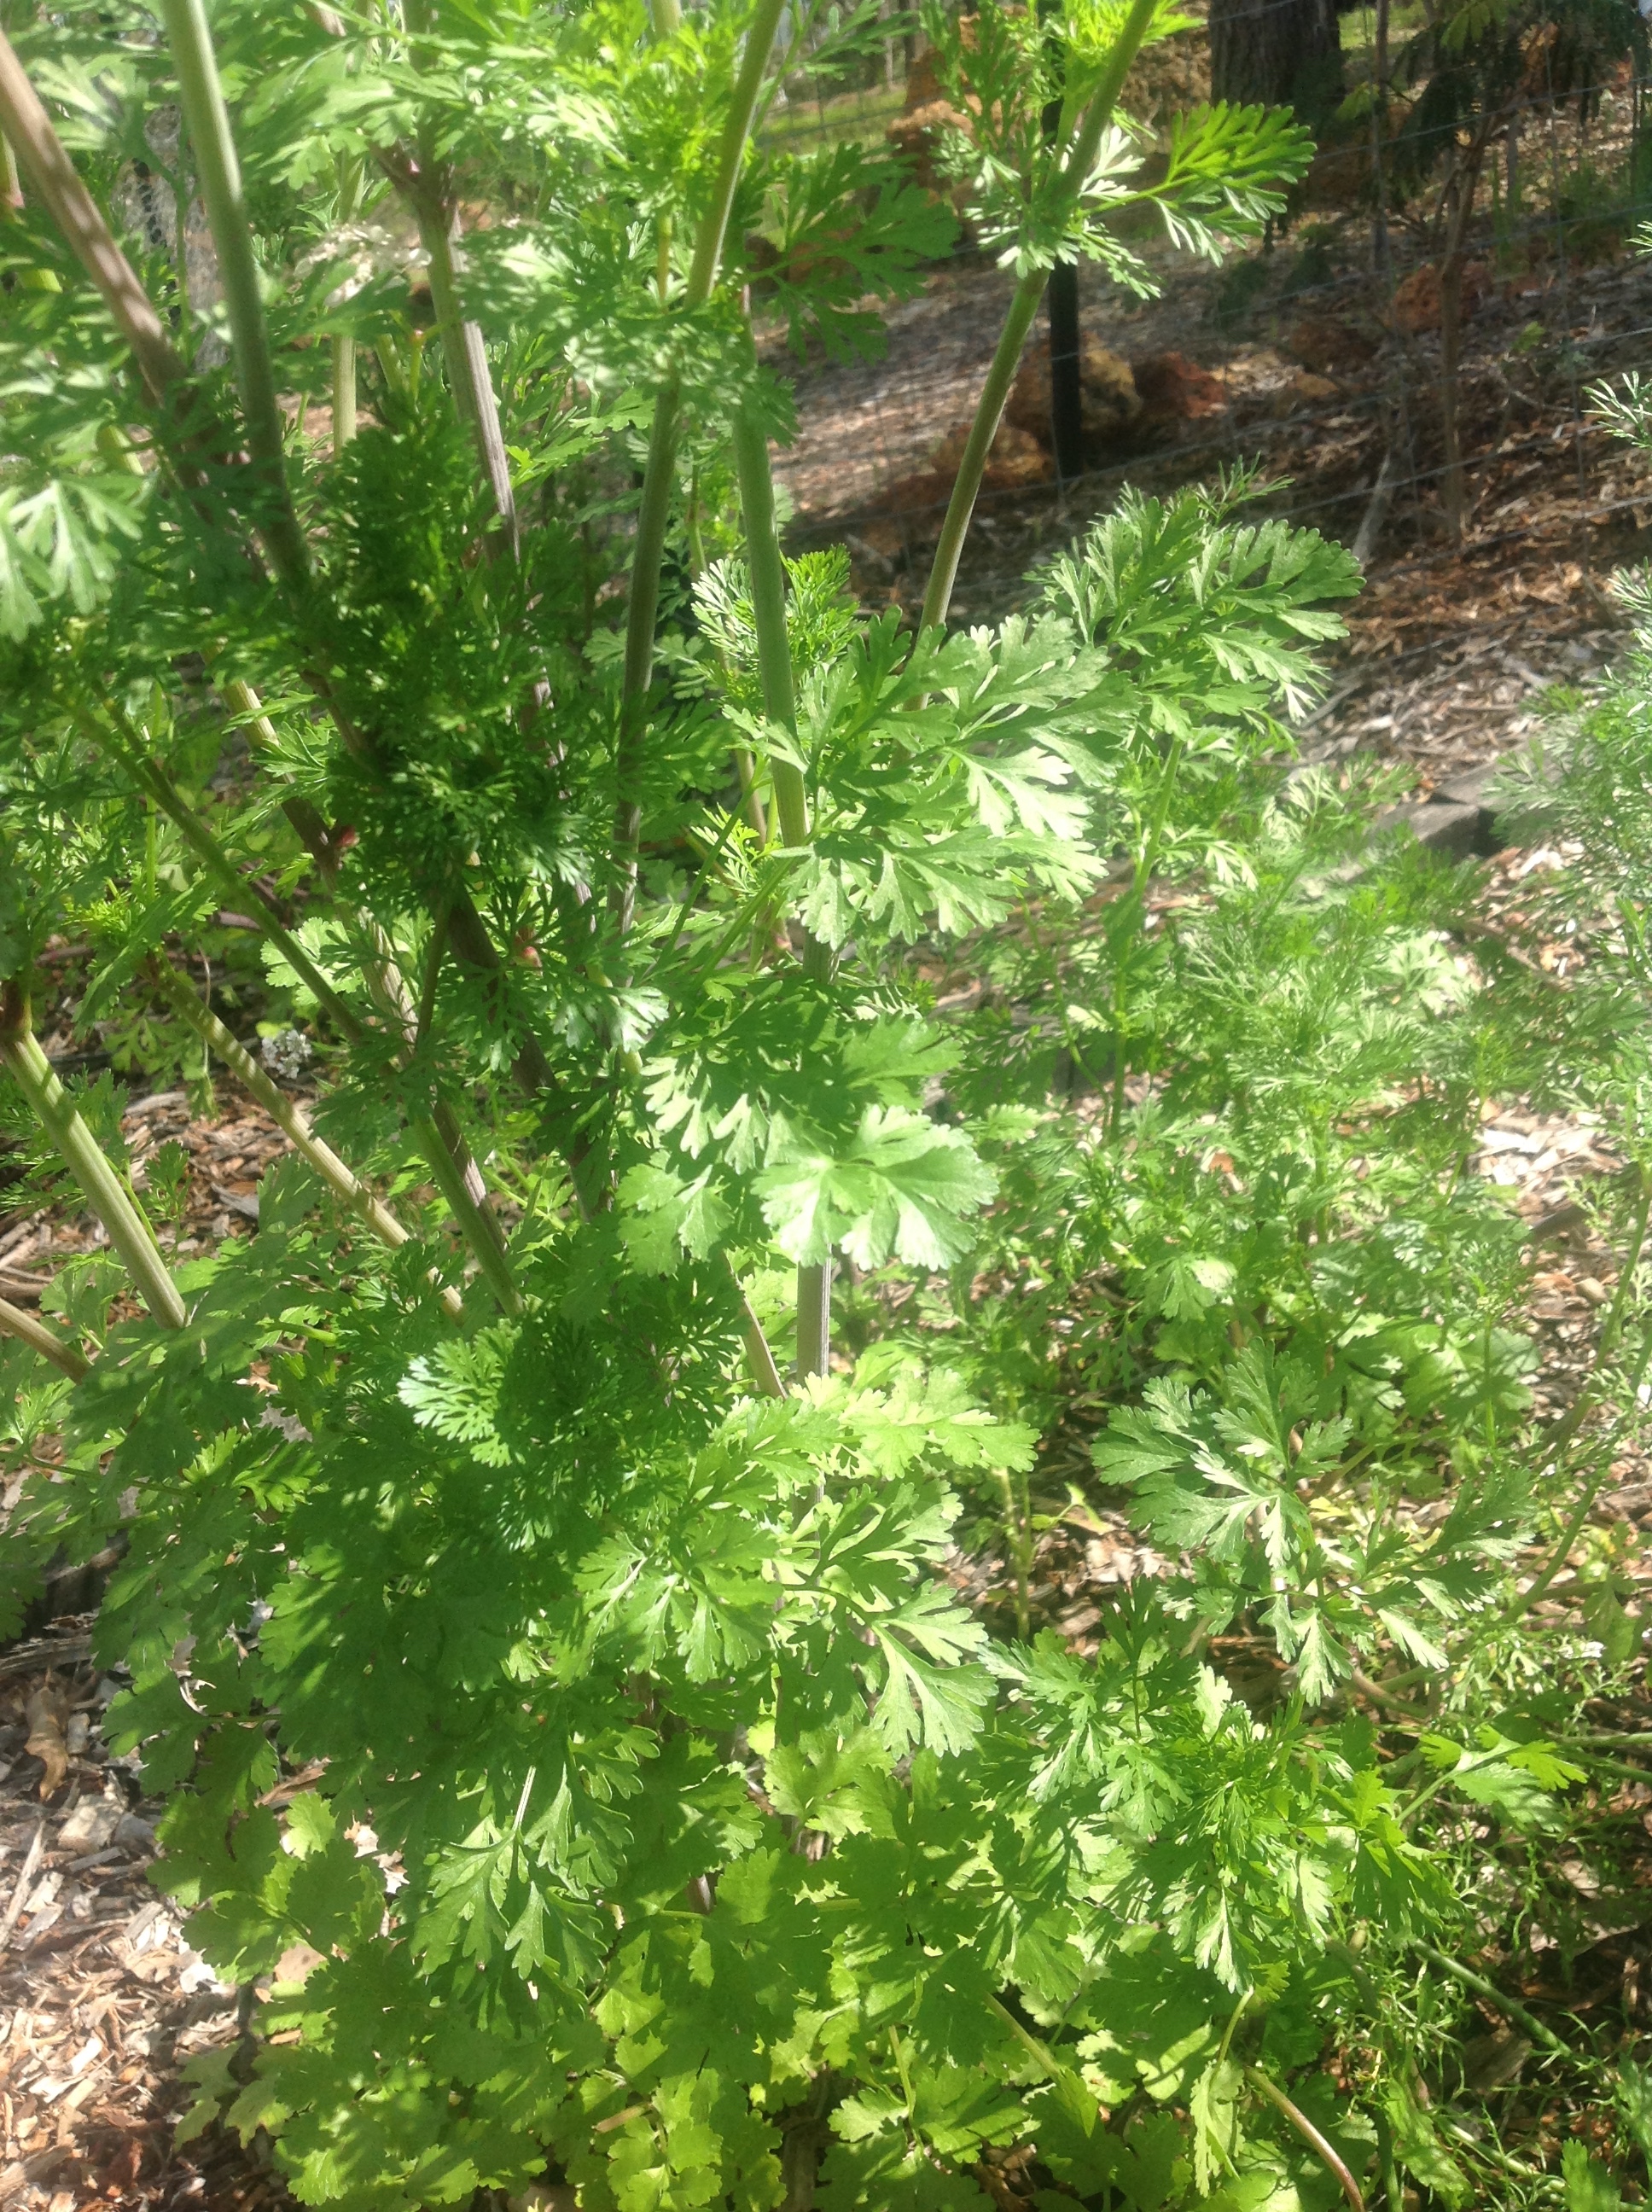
(1280, 53)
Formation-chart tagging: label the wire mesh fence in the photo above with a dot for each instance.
(1320, 358)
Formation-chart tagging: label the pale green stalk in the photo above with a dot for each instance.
(654, 511)
(759, 1358)
(768, 572)
(286, 1113)
(995, 392)
(477, 1222)
(1510, 2006)
(126, 742)
(343, 344)
(115, 1206)
(464, 350)
(1322, 2147)
(14, 1321)
(218, 172)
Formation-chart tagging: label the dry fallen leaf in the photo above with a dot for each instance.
(297, 1963)
(45, 1712)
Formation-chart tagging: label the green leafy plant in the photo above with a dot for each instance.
(671, 1821)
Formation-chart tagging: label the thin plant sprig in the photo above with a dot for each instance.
(768, 571)
(659, 473)
(1071, 180)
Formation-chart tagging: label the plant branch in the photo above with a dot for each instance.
(343, 341)
(122, 1217)
(218, 172)
(1069, 184)
(1510, 2006)
(654, 511)
(759, 1357)
(814, 1325)
(126, 742)
(1322, 2147)
(14, 1321)
(286, 1113)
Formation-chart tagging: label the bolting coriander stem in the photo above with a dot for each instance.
(730, 153)
(1073, 175)
(54, 177)
(124, 742)
(218, 172)
(464, 352)
(653, 514)
(288, 1115)
(122, 1217)
(14, 1321)
(462, 349)
(759, 1358)
(477, 1222)
(343, 343)
(768, 571)
(343, 390)
(757, 484)
(1511, 2007)
(1320, 2144)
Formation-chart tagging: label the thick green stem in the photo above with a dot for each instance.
(14, 1321)
(768, 572)
(477, 1222)
(343, 390)
(106, 1193)
(730, 153)
(218, 172)
(441, 1141)
(1070, 183)
(464, 350)
(343, 343)
(653, 514)
(658, 478)
(759, 1358)
(11, 184)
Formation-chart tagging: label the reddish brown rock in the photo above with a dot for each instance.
(1327, 345)
(1173, 389)
(1416, 300)
(1111, 401)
